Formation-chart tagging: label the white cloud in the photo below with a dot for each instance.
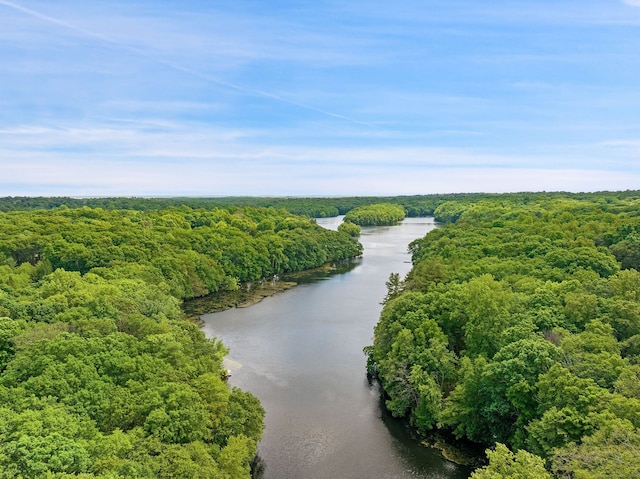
(247, 177)
(207, 98)
(633, 3)
(177, 159)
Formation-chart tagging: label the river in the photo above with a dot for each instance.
(300, 353)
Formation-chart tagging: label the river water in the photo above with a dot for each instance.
(300, 353)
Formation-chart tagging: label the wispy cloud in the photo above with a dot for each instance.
(455, 13)
(150, 159)
(317, 97)
(179, 67)
(251, 178)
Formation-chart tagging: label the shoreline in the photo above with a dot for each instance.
(252, 292)
(248, 294)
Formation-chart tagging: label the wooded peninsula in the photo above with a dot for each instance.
(518, 328)
(100, 374)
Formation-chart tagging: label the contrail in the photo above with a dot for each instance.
(177, 67)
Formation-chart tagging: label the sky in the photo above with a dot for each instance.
(318, 98)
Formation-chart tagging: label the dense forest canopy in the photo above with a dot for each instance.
(316, 207)
(313, 207)
(519, 325)
(100, 376)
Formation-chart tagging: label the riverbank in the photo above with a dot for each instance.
(253, 292)
(457, 451)
(248, 294)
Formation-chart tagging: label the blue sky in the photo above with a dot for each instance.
(146, 98)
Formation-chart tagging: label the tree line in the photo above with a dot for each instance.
(519, 326)
(100, 375)
(312, 207)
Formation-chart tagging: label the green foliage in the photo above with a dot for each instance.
(519, 323)
(379, 214)
(533, 304)
(100, 375)
(419, 205)
(415, 205)
(394, 287)
(449, 212)
(486, 309)
(611, 452)
(9, 329)
(192, 252)
(504, 464)
(349, 228)
(157, 387)
(496, 399)
(412, 360)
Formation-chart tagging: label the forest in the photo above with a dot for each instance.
(100, 374)
(312, 207)
(518, 328)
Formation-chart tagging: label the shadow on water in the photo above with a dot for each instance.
(253, 292)
(422, 452)
(258, 467)
(419, 452)
(324, 272)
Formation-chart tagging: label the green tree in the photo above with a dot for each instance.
(394, 287)
(349, 228)
(487, 305)
(504, 464)
(610, 452)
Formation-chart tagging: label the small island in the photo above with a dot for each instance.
(378, 214)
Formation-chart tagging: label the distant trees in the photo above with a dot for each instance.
(316, 207)
(379, 214)
(321, 207)
(519, 327)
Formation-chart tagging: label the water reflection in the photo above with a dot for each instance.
(258, 467)
(336, 268)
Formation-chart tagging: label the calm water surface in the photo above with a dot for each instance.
(300, 353)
